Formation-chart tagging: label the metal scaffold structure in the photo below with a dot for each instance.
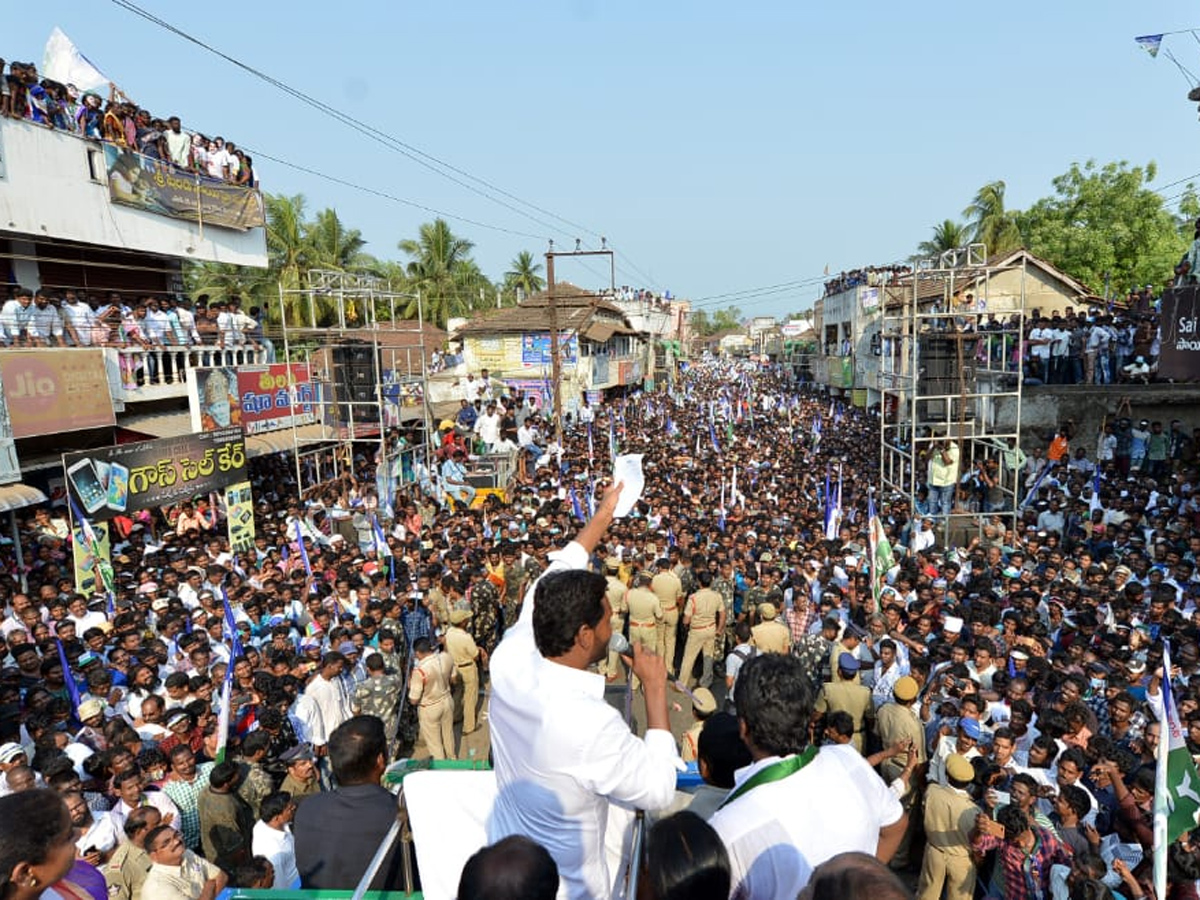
(949, 372)
(368, 367)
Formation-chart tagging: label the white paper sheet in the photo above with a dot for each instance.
(627, 469)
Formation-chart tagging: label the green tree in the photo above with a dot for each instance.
(1106, 220)
(948, 235)
(728, 319)
(700, 323)
(990, 222)
(525, 274)
(334, 246)
(441, 268)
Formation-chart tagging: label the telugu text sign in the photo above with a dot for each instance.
(114, 481)
(257, 399)
(51, 391)
(152, 185)
(1179, 357)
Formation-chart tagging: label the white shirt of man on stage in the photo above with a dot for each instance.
(796, 806)
(562, 753)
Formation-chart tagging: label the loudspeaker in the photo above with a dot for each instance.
(355, 376)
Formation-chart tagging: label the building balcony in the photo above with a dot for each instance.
(137, 374)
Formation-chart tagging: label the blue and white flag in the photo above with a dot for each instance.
(68, 678)
(712, 436)
(303, 550)
(576, 506)
(1094, 503)
(1150, 43)
(1032, 495)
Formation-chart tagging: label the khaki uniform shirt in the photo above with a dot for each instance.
(126, 872)
(949, 818)
(773, 636)
(430, 682)
(894, 723)
(849, 697)
(644, 607)
(615, 591)
(667, 587)
(703, 607)
(460, 645)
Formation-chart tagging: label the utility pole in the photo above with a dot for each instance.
(552, 303)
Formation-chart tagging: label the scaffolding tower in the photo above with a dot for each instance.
(340, 324)
(949, 370)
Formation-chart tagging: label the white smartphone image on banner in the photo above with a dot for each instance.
(87, 485)
(118, 487)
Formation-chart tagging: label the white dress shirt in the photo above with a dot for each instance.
(279, 847)
(562, 753)
(776, 834)
(331, 700)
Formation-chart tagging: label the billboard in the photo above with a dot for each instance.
(51, 391)
(256, 399)
(114, 481)
(1179, 357)
(154, 186)
(239, 516)
(535, 348)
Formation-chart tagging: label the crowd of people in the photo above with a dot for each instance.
(117, 120)
(976, 718)
(871, 276)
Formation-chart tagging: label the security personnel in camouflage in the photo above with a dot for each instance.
(485, 603)
(723, 585)
(754, 596)
(379, 695)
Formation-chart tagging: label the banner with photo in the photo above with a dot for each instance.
(239, 515)
(535, 348)
(114, 481)
(256, 399)
(88, 580)
(157, 187)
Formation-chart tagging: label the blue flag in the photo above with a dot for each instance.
(68, 678)
(576, 507)
(712, 436)
(303, 549)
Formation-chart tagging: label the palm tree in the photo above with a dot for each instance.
(949, 235)
(991, 224)
(523, 274)
(440, 268)
(333, 245)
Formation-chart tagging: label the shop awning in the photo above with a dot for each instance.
(599, 332)
(284, 440)
(156, 425)
(18, 496)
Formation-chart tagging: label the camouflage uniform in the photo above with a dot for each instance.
(485, 600)
(380, 697)
(514, 591)
(724, 587)
(753, 597)
(813, 652)
(256, 786)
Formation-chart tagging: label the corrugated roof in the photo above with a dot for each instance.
(578, 310)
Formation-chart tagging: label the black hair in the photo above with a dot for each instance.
(686, 860)
(854, 874)
(273, 804)
(564, 602)
(1014, 820)
(224, 774)
(31, 823)
(254, 742)
(1076, 798)
(841, 722)
(721, 748)
(514, 868)
(248, 873)
(137, 819)
(773, 696)
(355, 747)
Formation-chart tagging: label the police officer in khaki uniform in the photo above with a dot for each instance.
(464, 651)
(615, 590)
(704, 704)
(846, 694)
(851, 638)
(126, 870)
(669, 589)
(645, 613)
(704, 618)
(429, 689)
(949, 820)
(770, 635)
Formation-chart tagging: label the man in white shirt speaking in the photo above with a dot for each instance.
(795, 807)
(562, 754)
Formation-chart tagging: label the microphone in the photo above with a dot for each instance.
(620, 645)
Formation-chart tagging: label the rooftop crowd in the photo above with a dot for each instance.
(988, 725)
(871, 276)
(117, 120)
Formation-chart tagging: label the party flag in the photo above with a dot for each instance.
(68, 678)
(1150, 43)
(1176, 784)
(303, 550)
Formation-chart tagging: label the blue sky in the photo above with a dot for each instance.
(719, 147)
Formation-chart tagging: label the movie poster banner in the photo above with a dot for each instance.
(114, 481)
(1179, 358)
(256, 399)
(155, 186)
(87, 578)
(239, 516)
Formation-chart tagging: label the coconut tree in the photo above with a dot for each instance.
(991, 223)
(524, 273)
(333, 245)
(947, 235)
(440, 267)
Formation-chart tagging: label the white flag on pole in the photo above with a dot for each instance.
(62, 62)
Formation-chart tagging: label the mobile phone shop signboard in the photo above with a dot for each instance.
(52, 391)
(113, 481)
(258, 398)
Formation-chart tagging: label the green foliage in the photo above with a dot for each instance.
(441, 268)
(1105, 220)
(523, 273)
(991, 223)
(948, 235)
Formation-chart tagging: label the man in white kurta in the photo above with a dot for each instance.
(562, 753)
